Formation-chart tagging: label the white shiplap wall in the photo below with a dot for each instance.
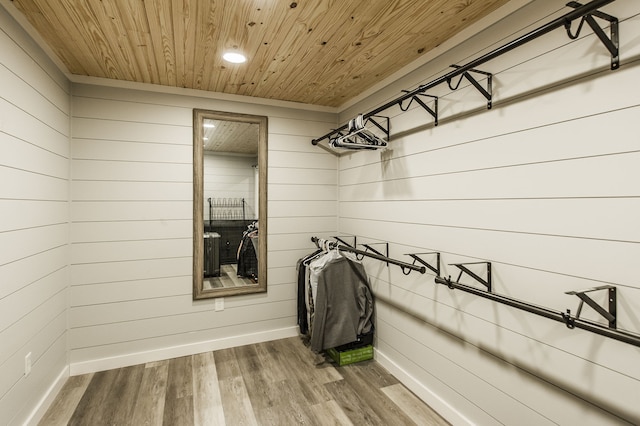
(545, 186)
(34, 215)
(227, 179)
(131, 227)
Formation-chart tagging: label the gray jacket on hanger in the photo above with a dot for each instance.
(343, 305)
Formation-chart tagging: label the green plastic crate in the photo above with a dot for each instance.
(351, 356)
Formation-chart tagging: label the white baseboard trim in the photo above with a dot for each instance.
(443, 408)
(47, 399)
(120, 361)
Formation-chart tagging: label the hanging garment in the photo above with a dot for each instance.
(343, 305)
(247, 265)
(316, 265)
(301, 269)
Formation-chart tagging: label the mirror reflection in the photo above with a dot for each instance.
(232, 199)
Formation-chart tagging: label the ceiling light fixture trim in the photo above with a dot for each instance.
(234, 57)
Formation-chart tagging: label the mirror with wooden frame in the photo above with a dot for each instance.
(229, 204)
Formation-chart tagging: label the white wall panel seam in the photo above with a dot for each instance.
(111, 120)
(35, 62)
(35, 254)
(507, 166)
(508, 231)
(28, 342)
(500, 135)
(125, 281)
(36, 146)
(152, 335)
(444, 381)
(34, 308)
(35, 360)
(53, 104)
(35, 173)
(129, 260)
(169, 101)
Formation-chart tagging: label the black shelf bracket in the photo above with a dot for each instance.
(609, 314)
(611, 42)
(566, 318)
(416, 258)
(367, 247)
(464, 269)
(339, 239)
(433, 112)
(385, 127)
(487, 93)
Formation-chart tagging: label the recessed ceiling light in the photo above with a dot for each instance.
(234, 57)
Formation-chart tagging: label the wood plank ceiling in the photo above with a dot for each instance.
(231, 136)
(320, 52)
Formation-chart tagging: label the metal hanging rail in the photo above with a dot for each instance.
(563, 317)
(376, 255)
(587, 12)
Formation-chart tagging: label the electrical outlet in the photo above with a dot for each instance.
(219, 306)
(27, 364)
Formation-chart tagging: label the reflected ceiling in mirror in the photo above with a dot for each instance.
(229, 199)
(230, 137)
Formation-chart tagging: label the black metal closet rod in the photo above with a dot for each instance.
(545, 312)
(386, 259)
(556, 23)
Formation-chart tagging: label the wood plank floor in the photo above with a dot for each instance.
(228, 278)
(272, 383)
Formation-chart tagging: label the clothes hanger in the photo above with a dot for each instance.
(358, 137)
(362, 139)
